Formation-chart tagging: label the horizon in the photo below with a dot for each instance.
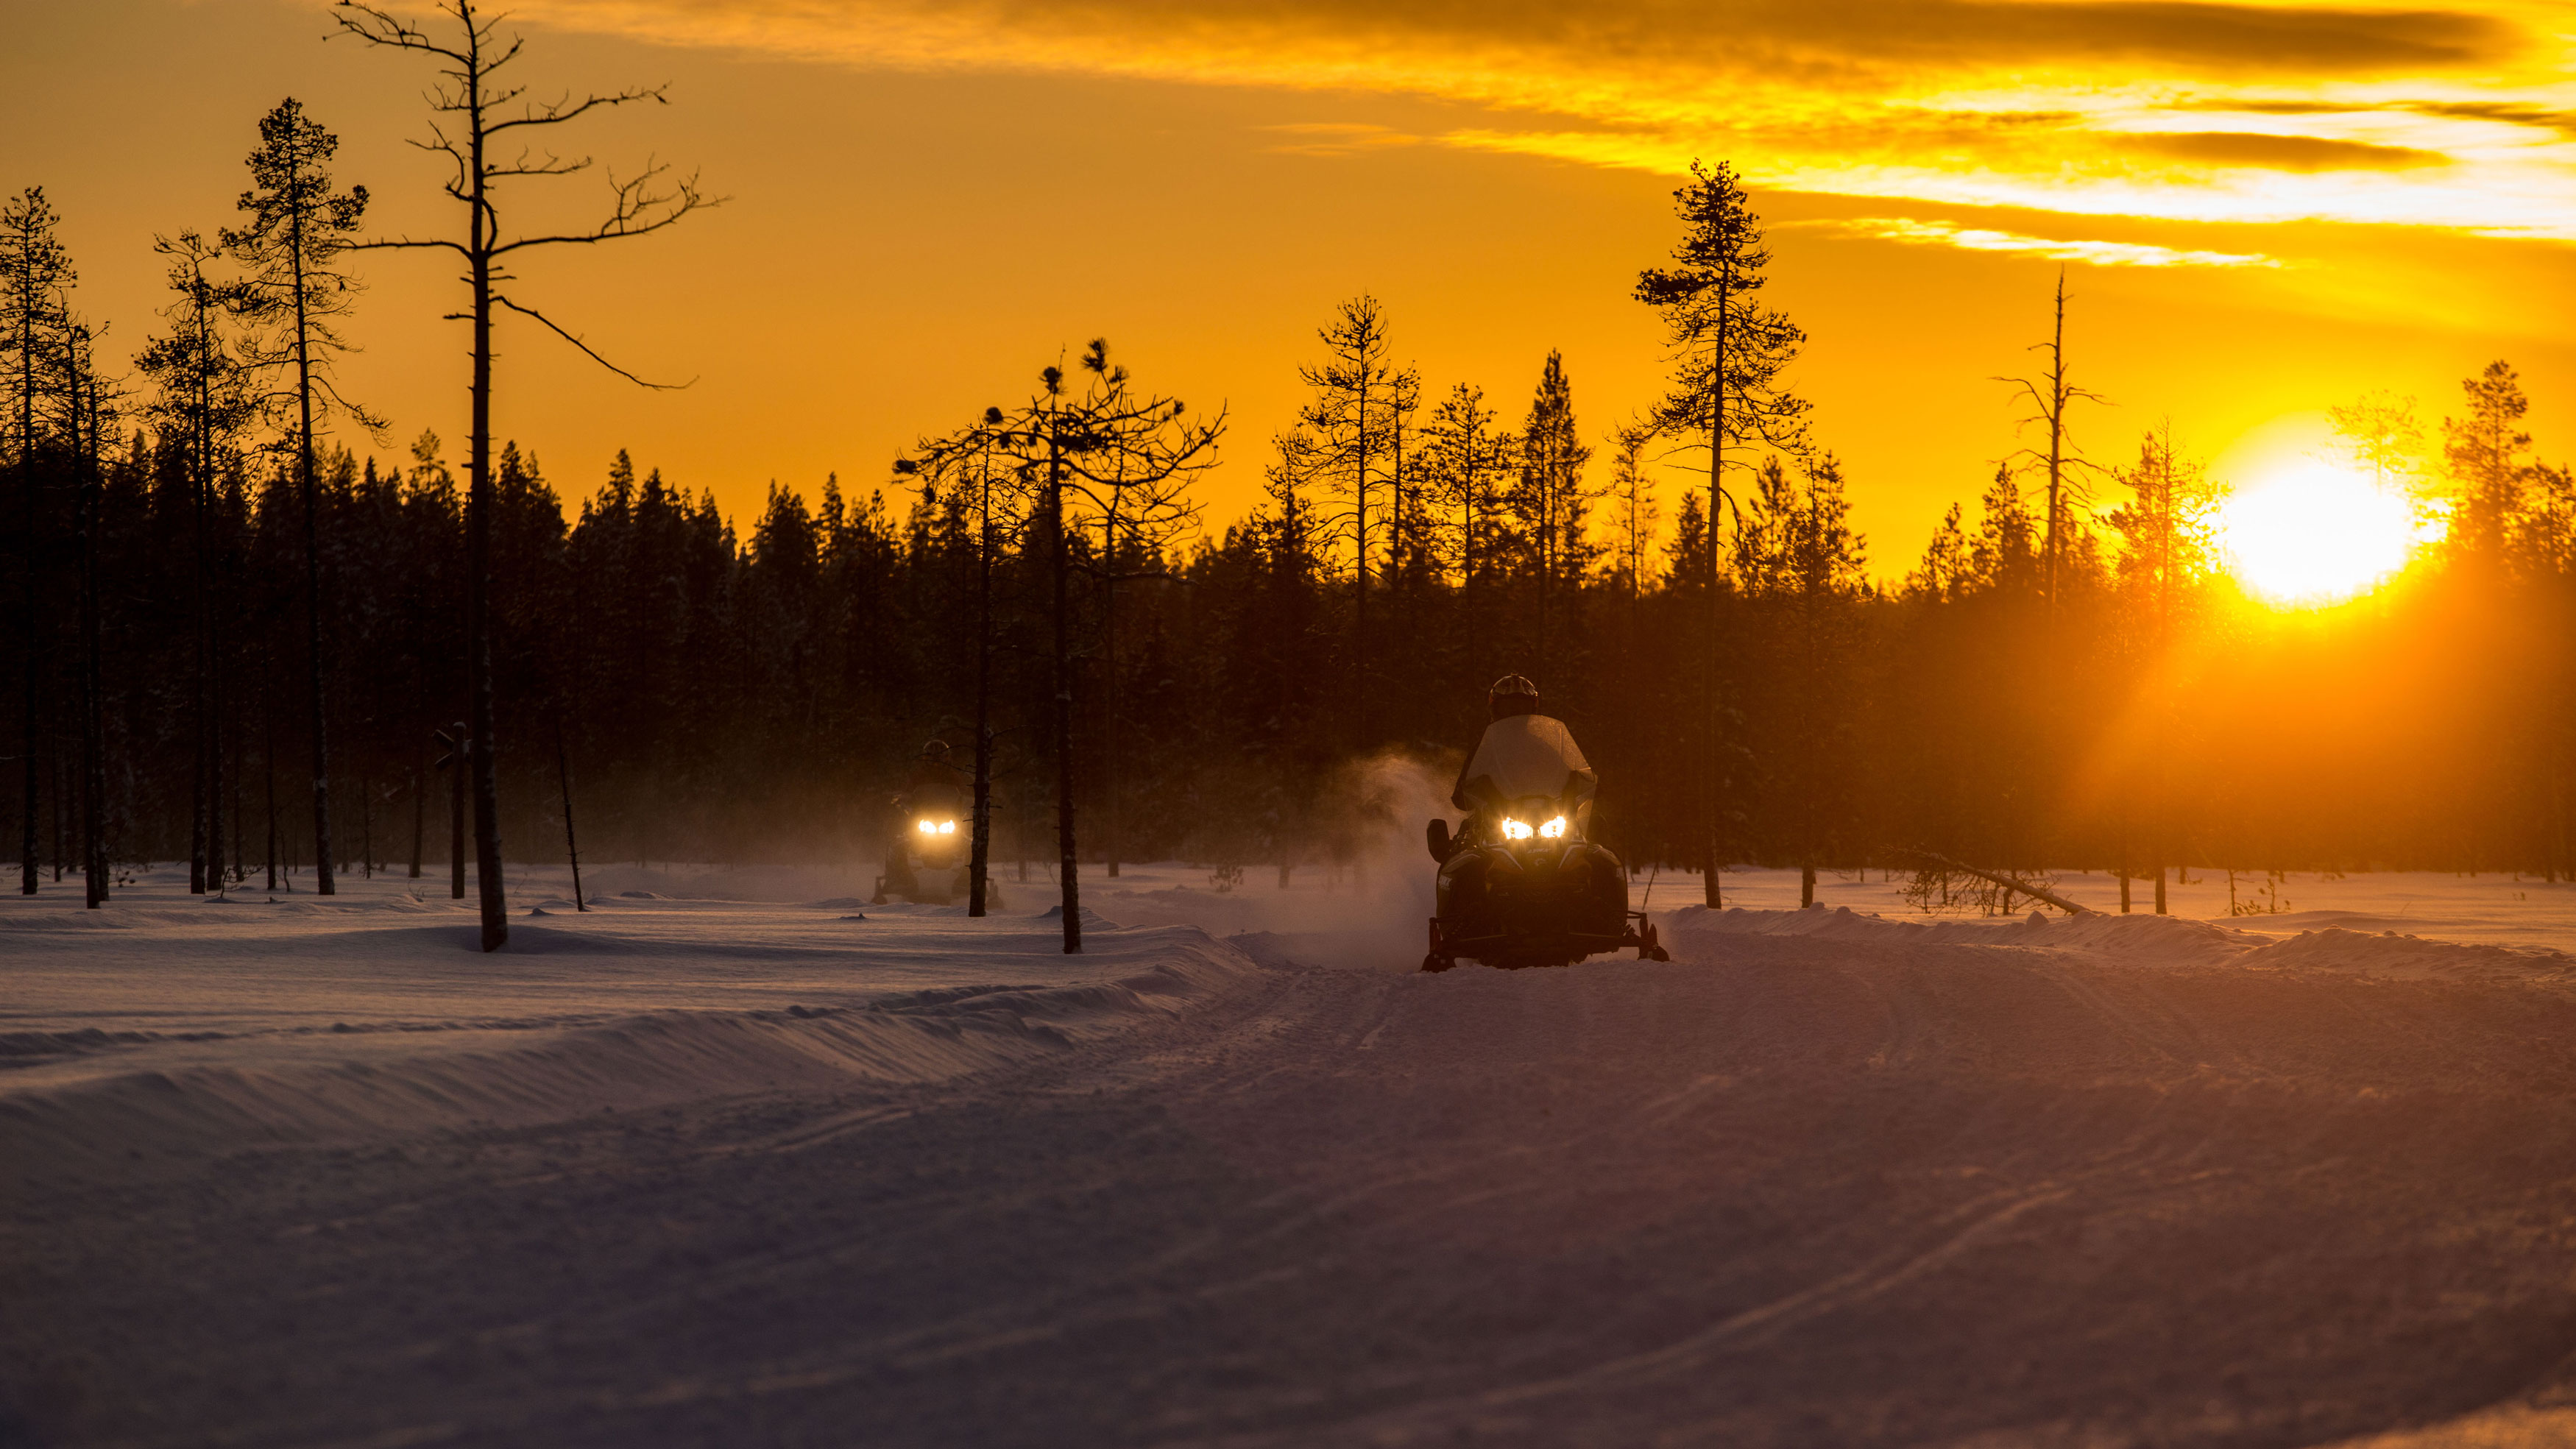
(2405, 224)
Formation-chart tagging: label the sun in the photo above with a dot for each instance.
(2309, 531)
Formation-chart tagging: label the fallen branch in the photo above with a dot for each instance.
(2035, 892)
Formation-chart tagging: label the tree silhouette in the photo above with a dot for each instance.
(1464, 462)
(2169, 529)
(299, 227)
(1728, 355)
(1106, 448)
(469, 99)
(204, 398)
(82, 391)
(1550, 499)
(2485, 453)
(1353, 420)
(2051, 395)
(966, 461)
(35, 272)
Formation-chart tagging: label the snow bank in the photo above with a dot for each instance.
(152, 1030)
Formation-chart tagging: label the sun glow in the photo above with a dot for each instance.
(2313, 532)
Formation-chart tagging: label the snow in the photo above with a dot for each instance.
(2499, 908)
(167, 1020)
(172, 1020)
(737, 1157)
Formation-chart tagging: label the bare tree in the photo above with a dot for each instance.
(1728, 354)
(35, 271)
(1107, 450)
(2051, 394)
(471, 114)
(299, 227)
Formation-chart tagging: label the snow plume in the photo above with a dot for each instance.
(1358, 890)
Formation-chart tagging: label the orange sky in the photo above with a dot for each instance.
(2263, 209)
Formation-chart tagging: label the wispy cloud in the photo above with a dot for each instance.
(1338, 138)
(2443, 114)
(1978, 239)
(2278, 152)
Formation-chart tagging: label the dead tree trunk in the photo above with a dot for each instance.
(980, 844)
(419, 814)
(572, 843)
(1069, 879)
(2009, 883)
(93, 711)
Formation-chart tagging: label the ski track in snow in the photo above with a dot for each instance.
(716, 1164)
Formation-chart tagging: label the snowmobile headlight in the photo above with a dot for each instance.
(948, 827)
(925, 827)
(1515, 830)
(1554, 829)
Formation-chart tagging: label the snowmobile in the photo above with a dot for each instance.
(1522, 887)
(929, 866)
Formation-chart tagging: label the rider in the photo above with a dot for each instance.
(1524, 753)
(932, 771)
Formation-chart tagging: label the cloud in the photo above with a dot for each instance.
(2282, 153)
(1338, 138)
(2423, 115)
(2514, 113)
(1698, 36)
(1977, 239)
(2560, 119)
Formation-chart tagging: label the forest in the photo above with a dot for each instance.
(257, 632)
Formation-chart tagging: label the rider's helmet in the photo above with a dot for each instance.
(936, 752)
(1512, 694)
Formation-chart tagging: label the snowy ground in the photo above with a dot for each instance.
(718, 1163)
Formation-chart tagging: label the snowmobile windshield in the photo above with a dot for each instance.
(1524, 755)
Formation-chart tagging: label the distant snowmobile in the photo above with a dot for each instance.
(1520, 884)
(927, 861)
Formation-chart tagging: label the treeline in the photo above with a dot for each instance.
(224, 624)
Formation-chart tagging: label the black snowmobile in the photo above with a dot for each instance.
(1522, 887)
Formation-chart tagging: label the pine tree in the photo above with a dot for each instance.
(1354, 423)
(2486, 458)
(299, 228)
(1728, 354)
(35, 272)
